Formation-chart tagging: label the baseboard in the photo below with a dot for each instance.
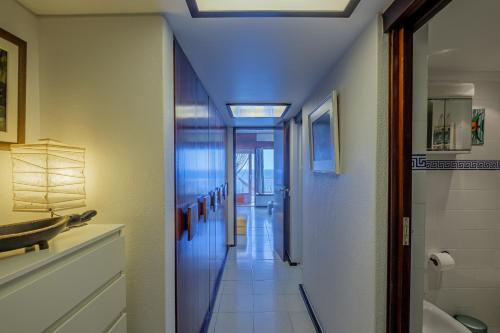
(310, 310)
(287, 258)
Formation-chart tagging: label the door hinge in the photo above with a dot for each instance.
(406, 231)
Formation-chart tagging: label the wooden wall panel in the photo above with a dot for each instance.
(212, 217)
(200, 169)
(221, 250)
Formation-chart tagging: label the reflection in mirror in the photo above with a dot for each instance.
(322, 138)
(449, 124)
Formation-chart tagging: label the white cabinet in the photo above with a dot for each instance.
(77, 285)
(449, 125)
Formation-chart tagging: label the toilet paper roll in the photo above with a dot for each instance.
(442, 262)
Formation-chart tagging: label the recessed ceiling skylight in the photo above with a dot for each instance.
(257, 110)
(214, 8)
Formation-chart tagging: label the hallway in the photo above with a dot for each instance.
(258, 292)
(164, 116)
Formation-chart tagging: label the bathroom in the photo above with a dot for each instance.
(456, 179)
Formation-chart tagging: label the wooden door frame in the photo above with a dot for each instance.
(401, 20)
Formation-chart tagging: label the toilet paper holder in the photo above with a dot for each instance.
(434, 261)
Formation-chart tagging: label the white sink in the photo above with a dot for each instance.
(438, 321)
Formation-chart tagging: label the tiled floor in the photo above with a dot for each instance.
(259, 293)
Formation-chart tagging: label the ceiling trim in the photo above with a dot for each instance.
(228, 108)
(196, 13)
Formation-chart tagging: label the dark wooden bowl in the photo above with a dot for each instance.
(31, 233)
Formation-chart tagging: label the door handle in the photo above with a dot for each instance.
(285, 192)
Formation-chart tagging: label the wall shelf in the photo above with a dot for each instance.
(448, 152)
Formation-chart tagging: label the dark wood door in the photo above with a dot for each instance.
(221, 232)
(286, 184)
(187, 289)
(200, 170)
(212, 221)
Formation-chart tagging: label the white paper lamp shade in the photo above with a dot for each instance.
(48, 176)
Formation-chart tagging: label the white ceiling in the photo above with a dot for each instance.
(244, 60)
(465, 36)
(81, 7)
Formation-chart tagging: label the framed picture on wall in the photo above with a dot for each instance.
(324, 145)
(478, 125)
(12, 89)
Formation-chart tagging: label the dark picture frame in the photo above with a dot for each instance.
(21, 87)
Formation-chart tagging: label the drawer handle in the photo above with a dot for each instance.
(203, 203)
(192, 220)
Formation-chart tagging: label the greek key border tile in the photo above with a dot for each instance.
(420, 162)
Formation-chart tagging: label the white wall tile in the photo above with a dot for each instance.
(470, 219)
(420, 136)
(418, 219)
(475, 180)
(469, 239)
(474, 258)
(472, 200)
(462, 215)
(419, 187)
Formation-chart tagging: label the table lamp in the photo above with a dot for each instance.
(47, 176)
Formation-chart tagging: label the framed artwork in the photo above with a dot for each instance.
(324, 136)
(478, 119)
(12, 89)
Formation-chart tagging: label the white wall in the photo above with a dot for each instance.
(106, 85)
(18, 21)
(169, 176)
(464, 216)
(344, 217)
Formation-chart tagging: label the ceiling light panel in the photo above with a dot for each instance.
(262, 8)
(272, 5)
(258, 110)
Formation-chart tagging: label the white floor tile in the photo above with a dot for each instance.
(295, 303)
(237, 274)
(211, 326)
(301, 322)
(234, 322)
(236, 287)
(265, 255)
(272, 322)
(278, 303)
(217, 303)
(259, 292)
(268, 287)
(242, 264)
(236, 303)
(257, 232)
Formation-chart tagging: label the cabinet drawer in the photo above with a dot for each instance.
(33, 303)
(100, 312)
(120, 326)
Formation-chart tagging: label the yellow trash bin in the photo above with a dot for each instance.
(241, 225)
